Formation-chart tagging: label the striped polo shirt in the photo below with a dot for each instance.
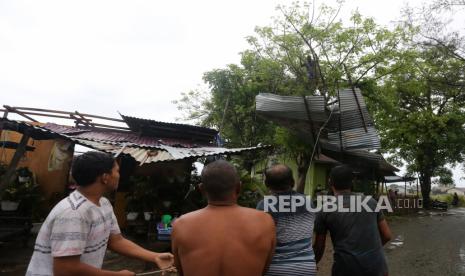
(294, 232)
(75, 226)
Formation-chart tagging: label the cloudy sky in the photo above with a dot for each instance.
(134, 57)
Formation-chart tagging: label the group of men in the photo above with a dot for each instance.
(221, 239)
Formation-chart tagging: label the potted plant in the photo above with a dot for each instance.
(10, 199)
(22, 189)
(141, 198)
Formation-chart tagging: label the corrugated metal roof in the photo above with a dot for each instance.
(116, 142)
(162, 153)
(349, 126)
(347, 122)
(274, 106)
(152, 128)
(131, 119)
(120, 137)
(396, 178)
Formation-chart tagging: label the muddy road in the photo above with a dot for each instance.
(432, 243)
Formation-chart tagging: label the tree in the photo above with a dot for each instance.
(229, 103)
(323, 54)
(419, 107)
(419, 110)
(300, 53)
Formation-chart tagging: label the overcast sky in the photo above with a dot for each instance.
(135, 57)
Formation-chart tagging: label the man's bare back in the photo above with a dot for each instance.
(223, 241)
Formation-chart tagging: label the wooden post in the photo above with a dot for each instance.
(405, 188)
(5, 116)
(14, 161)
(418, 194)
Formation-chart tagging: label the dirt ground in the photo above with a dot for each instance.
(430, 243)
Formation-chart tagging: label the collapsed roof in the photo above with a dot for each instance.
(346, 132)
(147, 141)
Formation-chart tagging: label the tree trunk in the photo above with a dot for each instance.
(303, 162)
(425, 184)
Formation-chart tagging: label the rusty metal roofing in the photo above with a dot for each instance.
(142, 149)
(162, 153)
(114, 136)
(34, 130)
(152, 128)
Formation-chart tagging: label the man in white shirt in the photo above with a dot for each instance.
(74, 237)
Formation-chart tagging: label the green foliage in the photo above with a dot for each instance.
(229, 105)
(362, 46)
(419, 111)
(252, 191)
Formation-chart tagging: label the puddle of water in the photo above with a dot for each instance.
(397, 242)
(461, 265)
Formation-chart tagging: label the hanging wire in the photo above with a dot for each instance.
(318, 136)
(155, 272)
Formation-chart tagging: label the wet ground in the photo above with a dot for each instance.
(430, 243)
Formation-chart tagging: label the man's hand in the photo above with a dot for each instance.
(119, 244)
(164, 260)
(126, 273)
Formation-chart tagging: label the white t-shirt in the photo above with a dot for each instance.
(75, 226)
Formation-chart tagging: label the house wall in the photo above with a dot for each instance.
(317, 177)
(52, 182)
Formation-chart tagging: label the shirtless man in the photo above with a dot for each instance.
(223, 238)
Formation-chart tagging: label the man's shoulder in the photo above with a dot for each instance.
(258, 216)
(64, 208)
(187, 217)
(254, 212)
(243, 211)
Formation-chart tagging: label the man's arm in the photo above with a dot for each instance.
(319, 246)
(120, 245)
(320, 231)
(174, 248)
(384, 231)
(72, 265)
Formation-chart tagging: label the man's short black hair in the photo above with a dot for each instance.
(219, 179)
(341, 177)
(90, 165)
(279, 177)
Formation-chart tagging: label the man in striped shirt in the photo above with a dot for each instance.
(294, 230)
(75, 236)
